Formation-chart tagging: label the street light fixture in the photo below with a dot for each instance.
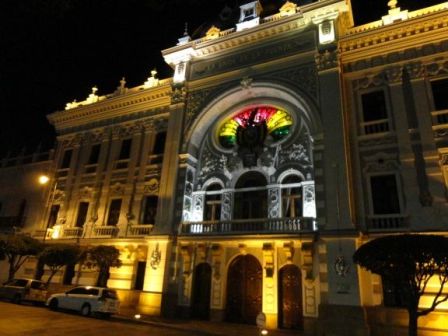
(44, 180)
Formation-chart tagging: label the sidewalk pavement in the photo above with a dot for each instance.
(205, 328)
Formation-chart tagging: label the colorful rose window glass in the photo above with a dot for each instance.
(278, 124)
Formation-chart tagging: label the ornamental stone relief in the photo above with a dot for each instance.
(274, 202)
(253, 56)
(195, 101)
(296, 153)
(381, 162)
(327, 60)
(117, 189)
(152, 187)
(226, 206)
(304, 77)
(211, 163)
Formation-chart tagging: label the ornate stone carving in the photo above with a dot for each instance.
(386, 140)
(327, 60)
(202, 252)
(86, 192)
(211, 163)
(415, 70)
(304, 77)
(194, 103)
(209, 67)
(288, 250)
(394, 74)
(156, 257)
(274, 202)
(268, 259)
(296, 153)
(117, 189)
(178, 95)
(370, 80)
(226, 206)
(381, 162)
(152, 187)
(198, 206)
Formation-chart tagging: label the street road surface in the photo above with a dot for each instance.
(27, 320)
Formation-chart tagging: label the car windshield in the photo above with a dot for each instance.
(110, 294)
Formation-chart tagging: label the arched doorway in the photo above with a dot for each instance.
(244, 290)
(200, 303)
(290, 298)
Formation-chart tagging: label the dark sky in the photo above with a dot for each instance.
(54, 51)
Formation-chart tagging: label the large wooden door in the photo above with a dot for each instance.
(200, 306)
(244, 290)
(290, 298)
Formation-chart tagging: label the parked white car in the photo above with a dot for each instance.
(87, 300)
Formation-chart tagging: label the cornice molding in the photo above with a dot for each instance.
(395, 37)
(150, 99)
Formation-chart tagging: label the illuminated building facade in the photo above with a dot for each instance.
(245, 183)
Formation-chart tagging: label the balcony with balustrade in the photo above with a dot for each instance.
(296, 225)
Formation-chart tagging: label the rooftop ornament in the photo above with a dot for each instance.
(152, 81)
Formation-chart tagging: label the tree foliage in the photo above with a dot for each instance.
(103, 258)
(16, 249)
(58, 256)
(410, 261)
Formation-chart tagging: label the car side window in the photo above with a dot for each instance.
(18, 283)
(92, 291)
(78, 290)
(37, 285)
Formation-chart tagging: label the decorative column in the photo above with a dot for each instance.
(217, 304)
(270, 303)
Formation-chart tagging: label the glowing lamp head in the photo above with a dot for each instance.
(264, 332)
(137, 316)
(43, 179)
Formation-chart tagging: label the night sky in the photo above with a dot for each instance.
(55, 51)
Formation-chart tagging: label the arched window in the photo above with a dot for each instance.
(292, 203)
(212, 209)
(250, 196)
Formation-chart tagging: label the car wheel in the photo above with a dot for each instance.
(85, 310)
(17, 299)
(53, 304)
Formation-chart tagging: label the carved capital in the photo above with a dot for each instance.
(327, 60)
(268, 259)
(288, 250)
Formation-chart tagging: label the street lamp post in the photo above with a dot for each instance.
(45, 180)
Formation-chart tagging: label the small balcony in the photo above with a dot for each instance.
(104, 232)
(72, 233)
(387, 222)
(250, 226)
(139, 230)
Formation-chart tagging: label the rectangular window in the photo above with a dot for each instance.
(53, 215)
(114, 212)
(82, 214)
(384, 195)
(440, 94)
(159, 144)
(149, 210)
(94, 154)
(374, 112)
(125, 150)
(66, 159)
